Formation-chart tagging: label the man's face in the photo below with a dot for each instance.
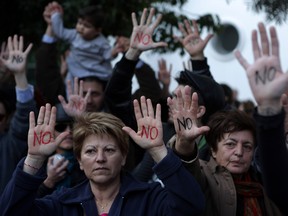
(95, 101)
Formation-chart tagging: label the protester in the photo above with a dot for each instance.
(13, 141)
(268, 83)
(101, 146)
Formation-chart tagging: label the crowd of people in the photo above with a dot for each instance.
(80, 142)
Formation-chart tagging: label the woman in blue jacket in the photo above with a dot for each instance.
(101, 145)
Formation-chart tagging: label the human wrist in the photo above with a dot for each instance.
(133, 54)
(269, 108)
(48, 183)
(197, 56)
(32, 165)
(158, 153)
(184, 147)
(21, 80)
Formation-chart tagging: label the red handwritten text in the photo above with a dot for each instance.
(151, 133)
(144, 39)
(42, 138)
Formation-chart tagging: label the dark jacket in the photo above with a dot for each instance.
(13, 144)
(273, 156)
(49, 81)
(181, 195)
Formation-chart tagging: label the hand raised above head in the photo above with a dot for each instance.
(41, 139)
(150, 133)
(141, 38)
(76, 101)
(185, 111)
(16, 59)
(191, 40)
(266, 78)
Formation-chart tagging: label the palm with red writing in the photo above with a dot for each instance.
(150, 133)
(17, 58)
(184, 109)
(266, 78)
(76, 101)
(191, 41)
(41, 139)
(141, 38)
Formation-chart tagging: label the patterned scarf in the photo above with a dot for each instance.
(250, 193)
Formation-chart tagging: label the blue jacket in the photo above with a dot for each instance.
(13, 144)
(181, 195)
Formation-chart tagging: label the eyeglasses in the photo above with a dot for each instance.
(61, 126)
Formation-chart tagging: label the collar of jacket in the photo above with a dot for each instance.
(83, 192)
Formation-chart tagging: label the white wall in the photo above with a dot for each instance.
(224, 68)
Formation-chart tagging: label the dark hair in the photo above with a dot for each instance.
(228, 93)
(94, 79)
(210, 93)
(228, 121)
(94, 15)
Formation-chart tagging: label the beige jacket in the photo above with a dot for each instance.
(218, 186)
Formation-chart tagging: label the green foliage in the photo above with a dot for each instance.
(275, 10)
(25, 18)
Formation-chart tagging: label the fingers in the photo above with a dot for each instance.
(207, 39)
(151, 14)
(134, 20)
(144, 106)
(264, 39)
(255, 45)
(40, 118)
(52, 120)
(62, 100)
(158, 112)
(47, 114)
(274, 41)
(187, 97)
(241, 60)
(28, 49)
(143, 17)
(188, 27)
(31, 120)
(137, 110)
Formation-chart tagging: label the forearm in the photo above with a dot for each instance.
(19, 194)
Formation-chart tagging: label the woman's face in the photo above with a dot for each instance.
(101, 159)
(235, 151)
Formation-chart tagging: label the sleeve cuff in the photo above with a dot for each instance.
(25, 95)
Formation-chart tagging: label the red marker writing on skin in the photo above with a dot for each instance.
(151, 133)
(144, 39)
(43, 138)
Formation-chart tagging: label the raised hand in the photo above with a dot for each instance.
(184, 109)
(41, 139)
(164, 74)
(191, 40)
(150, 133)
(17, 58)
(141, 38)
(76, 102)
(266, 78)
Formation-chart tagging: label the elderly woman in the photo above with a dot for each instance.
(101, 146)
(231, 184)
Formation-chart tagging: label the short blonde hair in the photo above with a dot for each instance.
(99, 123)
